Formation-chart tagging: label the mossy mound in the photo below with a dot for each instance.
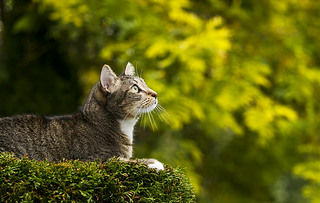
(112, 181)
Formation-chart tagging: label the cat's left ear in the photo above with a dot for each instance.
(108, 79)
(129, 70)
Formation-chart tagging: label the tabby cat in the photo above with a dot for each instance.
(101, 129)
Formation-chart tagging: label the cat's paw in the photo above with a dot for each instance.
(156, 165)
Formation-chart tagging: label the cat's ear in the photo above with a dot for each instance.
(108, 79)
(129, 70)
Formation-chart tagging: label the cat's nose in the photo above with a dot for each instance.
(153, 94)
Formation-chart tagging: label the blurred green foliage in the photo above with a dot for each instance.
(240, 80)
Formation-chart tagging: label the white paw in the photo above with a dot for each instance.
(156, 165)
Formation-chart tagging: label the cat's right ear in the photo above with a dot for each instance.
(128, 71)
(108, 79)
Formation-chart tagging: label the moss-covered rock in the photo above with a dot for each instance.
(112, 181)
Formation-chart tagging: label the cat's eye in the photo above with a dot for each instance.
(135, 89)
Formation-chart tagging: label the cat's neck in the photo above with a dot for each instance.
(97, 114)
(91, 107)
(127, 127)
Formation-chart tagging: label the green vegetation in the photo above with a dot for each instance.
(239, 78)
(112, 181)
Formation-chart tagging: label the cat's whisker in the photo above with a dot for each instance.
(144, 120)
(166, 117)
(136, 71)
(150, 119)
(164, 111)
(141, 120)
(142, 117)
(155, 123)
(158, 112)
(163, 115)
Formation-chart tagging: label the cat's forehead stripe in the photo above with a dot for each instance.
(135, 81)
(140, 82)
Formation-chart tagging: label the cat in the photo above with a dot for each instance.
(101, 129)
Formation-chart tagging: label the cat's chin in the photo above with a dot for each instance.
(147, 109)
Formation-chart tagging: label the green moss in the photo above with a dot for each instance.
(112, 181)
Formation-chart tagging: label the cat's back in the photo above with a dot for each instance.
(22, 124)
(29, 134)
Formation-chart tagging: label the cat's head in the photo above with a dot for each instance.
(127, 94)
